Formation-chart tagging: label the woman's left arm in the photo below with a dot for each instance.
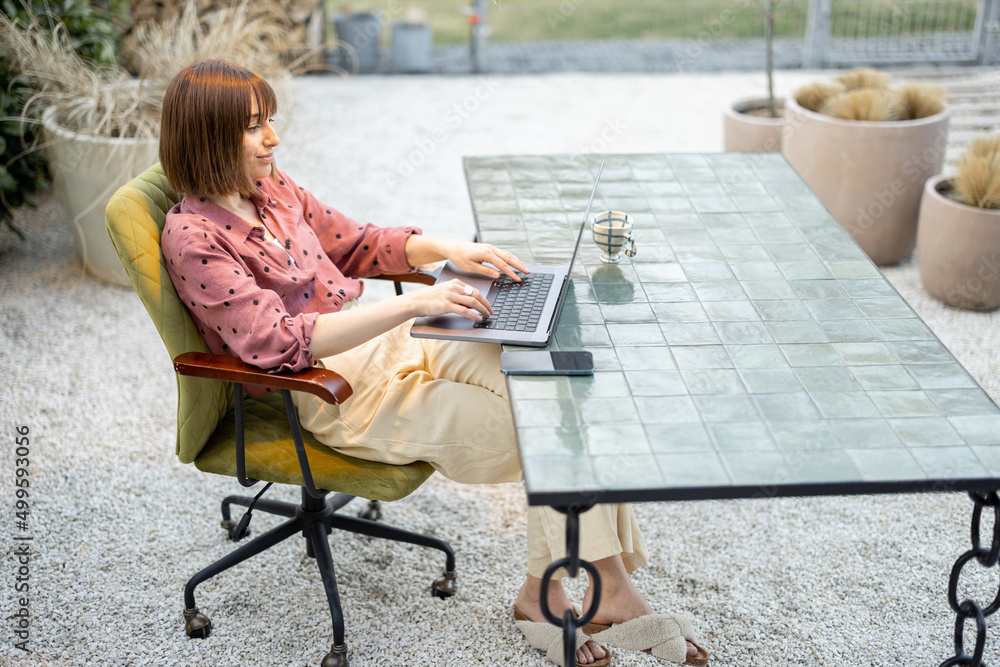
(467, 256)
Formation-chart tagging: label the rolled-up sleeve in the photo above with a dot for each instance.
(252, 323)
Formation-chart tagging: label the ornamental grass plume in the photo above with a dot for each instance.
(99, 98)
(978, 178)
(865, 95)
(919, 100)
(254, 36)
(859, 79)
(104, 100)
(871, 104)
(815, 95)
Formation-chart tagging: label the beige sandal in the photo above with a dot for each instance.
(549, 638)
(664, 636)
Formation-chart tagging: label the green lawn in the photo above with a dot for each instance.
(535, 20)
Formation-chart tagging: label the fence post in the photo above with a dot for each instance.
(817, 33)
(479, 22)
(988, 31)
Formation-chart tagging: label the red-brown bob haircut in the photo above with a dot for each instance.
(206, 110)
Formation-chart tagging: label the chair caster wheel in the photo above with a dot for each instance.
(230, 526)
(444, 586)
(196, 624)
(337, 657)
(373, 512)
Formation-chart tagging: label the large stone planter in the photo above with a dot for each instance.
(743, 131)
(86, 171)
(870, 175)
(958, 249)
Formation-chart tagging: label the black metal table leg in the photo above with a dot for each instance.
(968, 609)
(573, 564)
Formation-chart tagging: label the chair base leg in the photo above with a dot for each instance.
(269, 539)
(279, 507)
(372, 529)
(316, 536)
(314, 518)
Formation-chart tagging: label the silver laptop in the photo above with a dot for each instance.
(524, 313)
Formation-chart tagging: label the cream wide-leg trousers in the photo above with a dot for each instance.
(445, 402)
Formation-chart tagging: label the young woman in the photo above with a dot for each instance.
(271, 274)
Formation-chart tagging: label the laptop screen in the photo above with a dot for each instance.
(576, 249)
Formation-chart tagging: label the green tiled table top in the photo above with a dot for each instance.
(750, 348)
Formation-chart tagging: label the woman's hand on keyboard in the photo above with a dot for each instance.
(485, 259)
(453, 296)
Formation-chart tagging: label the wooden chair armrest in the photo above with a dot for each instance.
(423, 278)
(320, 382)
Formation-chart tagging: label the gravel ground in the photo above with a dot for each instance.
(119, 525)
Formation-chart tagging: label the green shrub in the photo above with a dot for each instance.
(94, 29)
(22, 171)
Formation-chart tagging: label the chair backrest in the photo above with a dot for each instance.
(134, 219)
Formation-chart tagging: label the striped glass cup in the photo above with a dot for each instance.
(613, 235)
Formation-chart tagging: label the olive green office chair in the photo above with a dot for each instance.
(224, 432)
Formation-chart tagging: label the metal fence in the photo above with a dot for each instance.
(849, 32)
(833, 32)
(649, 19)
(825, 32)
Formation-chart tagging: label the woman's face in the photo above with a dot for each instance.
(259, 140)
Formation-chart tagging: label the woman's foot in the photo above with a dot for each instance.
(620, 601)
(529, 603)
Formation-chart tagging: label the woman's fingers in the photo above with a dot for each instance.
(512, 260)
(489, 261)
(479, 301)
(474, 302)
(506, 262)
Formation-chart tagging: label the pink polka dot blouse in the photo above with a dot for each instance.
(259, 299)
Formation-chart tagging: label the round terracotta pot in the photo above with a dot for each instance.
(746, 132)
(958, 249)
(870, 175)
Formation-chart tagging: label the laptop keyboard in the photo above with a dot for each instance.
(517, 306)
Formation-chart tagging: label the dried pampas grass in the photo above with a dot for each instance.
(105, 100)
(978, 178)
(815, 95)
(864, 95)
(860, 79)
(919, 100)
(254, 36)
(869, 104)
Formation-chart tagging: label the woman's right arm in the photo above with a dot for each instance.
(338, 332)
